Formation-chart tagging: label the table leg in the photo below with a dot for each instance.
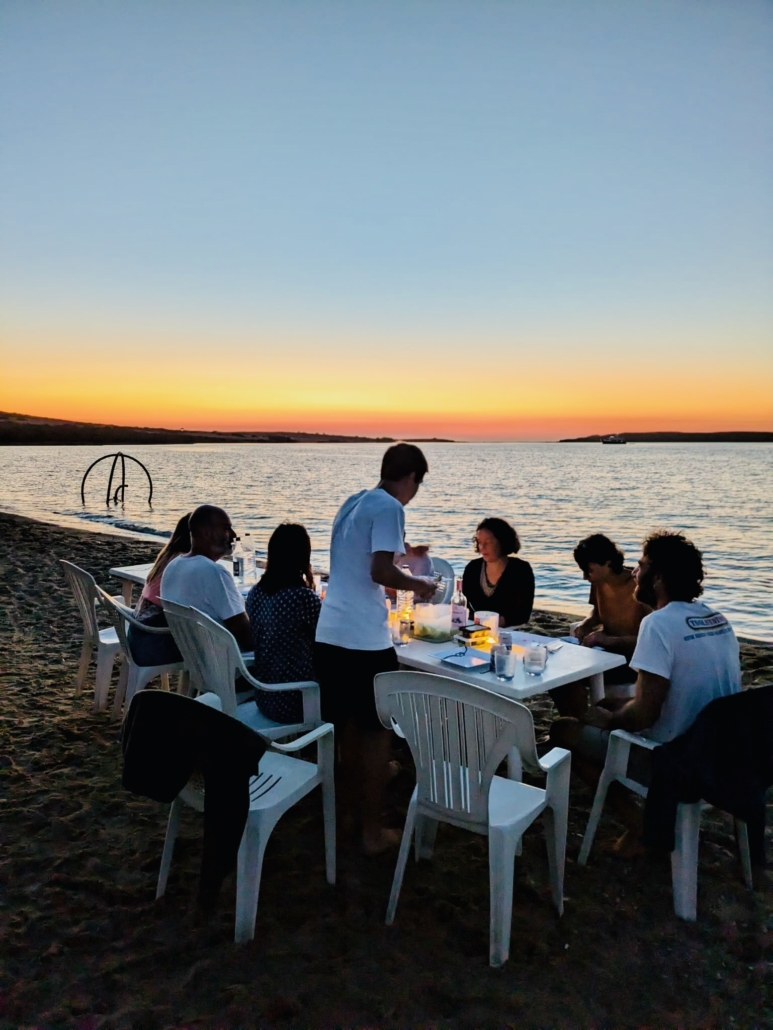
(596, 688)
(127, 588)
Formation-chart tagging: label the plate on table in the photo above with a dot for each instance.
(471, 659)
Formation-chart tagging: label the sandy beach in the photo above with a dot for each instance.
(85, 946)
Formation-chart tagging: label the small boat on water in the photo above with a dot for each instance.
(613, 438)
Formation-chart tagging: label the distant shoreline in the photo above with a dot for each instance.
(18, 429)
(740, 437)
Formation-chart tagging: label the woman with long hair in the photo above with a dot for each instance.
(283, 609)
(498, 581)
(153, 648)
(178, 543)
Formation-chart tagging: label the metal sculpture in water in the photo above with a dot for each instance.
(120, 489)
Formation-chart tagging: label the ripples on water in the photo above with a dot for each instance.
(554, 494)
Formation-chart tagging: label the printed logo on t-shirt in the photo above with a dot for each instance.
(713, 625)
(713, 621)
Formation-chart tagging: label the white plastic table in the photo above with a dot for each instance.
(569, 663)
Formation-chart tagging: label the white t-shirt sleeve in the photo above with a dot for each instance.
(224, 598)
(653, 650)
(388, 530)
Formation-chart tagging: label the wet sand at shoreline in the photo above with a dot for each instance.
(84, 944)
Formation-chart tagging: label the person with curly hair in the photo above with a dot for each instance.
(498, 581)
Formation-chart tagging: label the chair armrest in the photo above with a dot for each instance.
(634, 738)
(247, 675)
(305, 740)
(553, 759)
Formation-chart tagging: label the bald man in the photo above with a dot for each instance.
(198, 580)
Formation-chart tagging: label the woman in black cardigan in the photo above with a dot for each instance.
(496, 582)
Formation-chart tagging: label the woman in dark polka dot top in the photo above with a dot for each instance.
(283, 610)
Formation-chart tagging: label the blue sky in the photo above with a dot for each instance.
(383, 184)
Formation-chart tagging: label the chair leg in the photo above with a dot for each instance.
(105, 658)
(183, 683)
(616, 765)
(684, 861)
(172, 829)
(121, 687)
(595, 816)
(249, 869)
(742, 836)
(424, 837)
(402, 861)
(555, 820)
(326, 759)
(501, 860)
(83, 666)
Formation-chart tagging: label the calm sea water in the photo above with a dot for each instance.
(554, 494)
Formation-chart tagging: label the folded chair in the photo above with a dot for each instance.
(85, 591)
(134, 677)
(458, 735)
(684, 857)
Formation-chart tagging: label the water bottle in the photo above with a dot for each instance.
(238, 560)
(249, 559)
(405, 598)
(459, 613)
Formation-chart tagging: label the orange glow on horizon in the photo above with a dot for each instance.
(423, 390)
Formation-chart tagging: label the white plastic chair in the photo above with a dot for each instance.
(458, 735)
(281, 782)
(684, 857)
(134, 677)
(446, 570)
(213, 659)
(106, 641)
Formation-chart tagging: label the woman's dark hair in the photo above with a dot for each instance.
(599, 549)
(677, 561)
(506, 536)
(178, 543)
(288, 561)
(401, 459)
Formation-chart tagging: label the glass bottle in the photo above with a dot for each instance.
(459, 613)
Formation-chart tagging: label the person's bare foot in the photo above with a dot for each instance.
(394, 769)
(379, 840)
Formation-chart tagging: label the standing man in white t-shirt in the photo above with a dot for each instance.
(686, 656)
(198, 580)
(353, 638)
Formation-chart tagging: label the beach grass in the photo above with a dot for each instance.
(84, 945)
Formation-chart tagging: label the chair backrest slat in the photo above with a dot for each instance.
(458, 735)
(84, 590)
(209, 651)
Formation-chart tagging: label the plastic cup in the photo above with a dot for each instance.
(535, 659)
(504, 662)
(490, 620)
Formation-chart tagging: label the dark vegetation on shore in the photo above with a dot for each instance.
(741, 437)
(83, 945)
(29, 429)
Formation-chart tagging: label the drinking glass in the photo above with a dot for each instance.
(504, 662)
(535, 659)
(400, 629)
(491, 621)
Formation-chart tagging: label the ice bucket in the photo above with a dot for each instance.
(432, 621)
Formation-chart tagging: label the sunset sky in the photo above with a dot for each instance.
(498, 220)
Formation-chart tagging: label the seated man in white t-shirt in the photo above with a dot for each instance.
(686, 656)
(198, 580)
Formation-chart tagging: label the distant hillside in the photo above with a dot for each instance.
(679, 438)
(29, 429)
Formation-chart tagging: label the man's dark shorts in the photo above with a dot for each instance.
(345, 678)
